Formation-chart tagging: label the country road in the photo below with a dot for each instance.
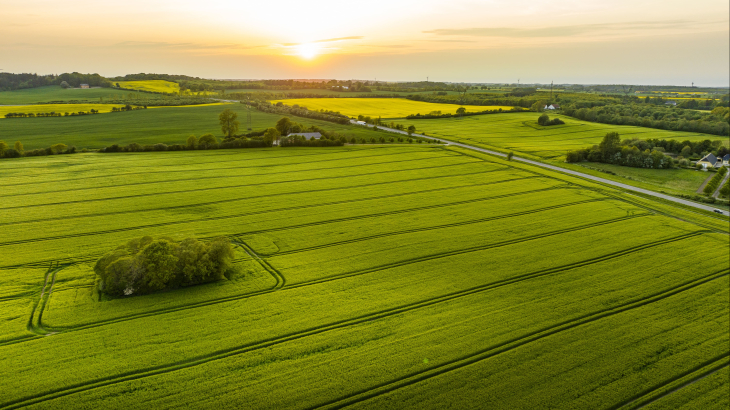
(565, 171)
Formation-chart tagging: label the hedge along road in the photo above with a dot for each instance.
(566, 171)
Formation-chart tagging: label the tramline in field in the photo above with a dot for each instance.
(427, 274)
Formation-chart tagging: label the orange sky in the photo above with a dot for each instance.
(639, 41)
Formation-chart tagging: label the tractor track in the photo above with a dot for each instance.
(217, 218)
(380, 389)
(487, 353)
(239, 199)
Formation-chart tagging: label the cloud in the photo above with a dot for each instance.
(327, 40)
(189, 46)
(561, 31)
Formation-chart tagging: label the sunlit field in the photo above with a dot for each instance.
(370, 277)
(160, 86)
(54, 108)
(53, 93)
(381, 107)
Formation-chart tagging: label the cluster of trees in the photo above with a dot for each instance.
(651, 116)
(545, 120)
(18, 151)
(612, 151)
(128, 107)
(10, 81)
(715, 182)
(148, 265)
(299, 111)
(301, 141)
(684, 149)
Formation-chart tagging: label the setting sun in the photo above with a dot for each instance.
(308, 50)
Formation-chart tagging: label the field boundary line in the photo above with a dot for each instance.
(514, 343)
(456, 364)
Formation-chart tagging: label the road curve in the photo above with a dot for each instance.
(563, 170)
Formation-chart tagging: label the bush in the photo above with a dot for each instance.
(147, 265)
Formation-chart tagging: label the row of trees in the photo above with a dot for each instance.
(611, 151)
(50, 114)
(715, 182)
(716, 122)
(300, 111)
(18, 151)
(148, 265)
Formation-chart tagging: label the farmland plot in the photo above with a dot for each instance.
(369, 277)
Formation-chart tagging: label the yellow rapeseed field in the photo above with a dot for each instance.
(381, 107)
(159, 86)
(57, 108)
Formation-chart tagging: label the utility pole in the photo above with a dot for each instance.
(518, 83)
(248, 112)
(551, 90)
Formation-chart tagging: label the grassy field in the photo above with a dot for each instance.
(380, 107)
(160, 86)
(372, 277)
(57, 108)
(520, 133)
(56, 93)
(168, 125)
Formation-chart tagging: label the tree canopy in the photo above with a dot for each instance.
(147, 265)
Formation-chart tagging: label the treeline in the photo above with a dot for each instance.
(300, 111)
(612, 151)
(652, 116)
(153, 76)
(439, 114)
(148, 265)
(18, 151)
(10, 81)
(51, 114)
(204, 142)
(715, 182)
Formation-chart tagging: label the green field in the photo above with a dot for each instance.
(381, 107)
(56, 93)
(520, 133)
(168, 125)
(373, 277)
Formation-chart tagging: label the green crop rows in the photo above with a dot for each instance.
(371, 277)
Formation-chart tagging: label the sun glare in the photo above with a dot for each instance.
(308, 50)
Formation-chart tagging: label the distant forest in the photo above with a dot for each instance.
(10, 81)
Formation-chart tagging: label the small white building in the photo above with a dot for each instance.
(84, 85)
(307, 135)
(552, 107)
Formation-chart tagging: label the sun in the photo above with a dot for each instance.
(308, 50)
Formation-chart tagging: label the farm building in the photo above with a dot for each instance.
(552, 107)
(307, 135)
(84, 86)
(726, 160)
(672, 103)
(711, 161)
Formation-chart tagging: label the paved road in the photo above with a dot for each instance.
(567, 171)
